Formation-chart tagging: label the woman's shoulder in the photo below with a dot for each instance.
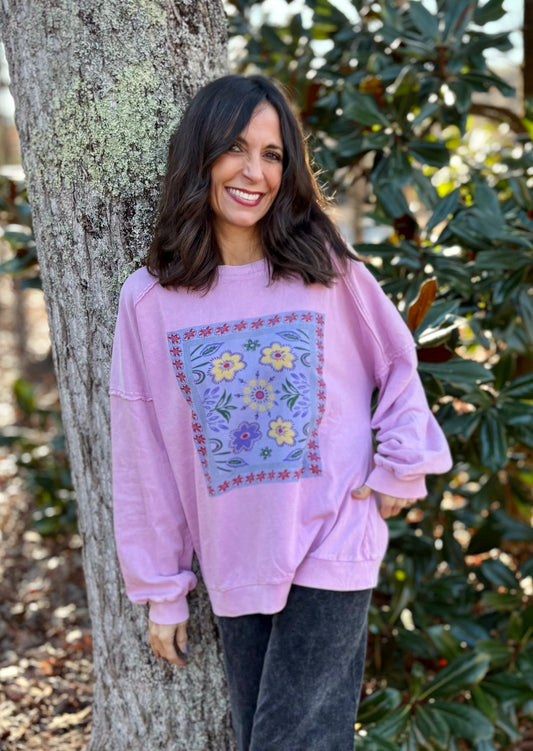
(137, 285)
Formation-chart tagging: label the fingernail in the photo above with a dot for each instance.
(357, 491)
(186, 649)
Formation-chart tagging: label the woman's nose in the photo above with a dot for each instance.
(252, 167)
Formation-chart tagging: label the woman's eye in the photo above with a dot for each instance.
(273, 155)
(234, 147)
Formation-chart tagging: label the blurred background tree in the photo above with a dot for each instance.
(429, 153)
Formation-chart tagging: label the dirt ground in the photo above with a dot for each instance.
(45, 638)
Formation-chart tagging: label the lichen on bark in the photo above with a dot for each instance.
(117, 140)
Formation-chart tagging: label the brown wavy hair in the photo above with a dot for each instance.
(296, 234)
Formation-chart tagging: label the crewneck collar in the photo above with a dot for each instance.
(243, 270)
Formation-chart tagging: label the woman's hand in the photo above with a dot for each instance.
(163, 639)
(389, 505)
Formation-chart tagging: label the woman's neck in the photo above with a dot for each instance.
(239, 246)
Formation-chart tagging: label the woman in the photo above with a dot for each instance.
(245, 359)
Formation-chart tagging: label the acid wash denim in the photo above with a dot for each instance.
(295, 677)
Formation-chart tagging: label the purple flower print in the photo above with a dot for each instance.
(244, 437)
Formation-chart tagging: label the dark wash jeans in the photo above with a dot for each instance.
(295, 677)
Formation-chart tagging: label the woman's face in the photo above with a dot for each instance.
(246, 179)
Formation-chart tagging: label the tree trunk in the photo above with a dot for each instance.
(98, 87)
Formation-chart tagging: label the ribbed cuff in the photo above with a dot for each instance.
(384, 481)
(169, 612)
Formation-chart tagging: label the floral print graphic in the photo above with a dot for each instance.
(245, 436)
(225, 367)
(281, 431)
(278, 356)
(257, 396)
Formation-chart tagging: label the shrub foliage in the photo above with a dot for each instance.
(404, 111)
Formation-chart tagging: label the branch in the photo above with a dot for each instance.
(500, 114)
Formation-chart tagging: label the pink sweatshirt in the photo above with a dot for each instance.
(241, 422)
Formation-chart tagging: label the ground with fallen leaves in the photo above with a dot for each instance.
(45, 641)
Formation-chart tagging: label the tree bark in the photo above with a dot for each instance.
(98, 87)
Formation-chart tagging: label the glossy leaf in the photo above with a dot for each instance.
(444, 209)
(430, 726)
(464, 721)
(376, 706)
(463, 671)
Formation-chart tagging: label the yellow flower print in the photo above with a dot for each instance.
(225, 367)
(278, 356)
(281, 431)
(259, 395)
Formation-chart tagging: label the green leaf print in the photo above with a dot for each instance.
(290, 394)
(224, 406)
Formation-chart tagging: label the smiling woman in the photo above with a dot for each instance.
(239, 156)
(244, 183)
(245, 359)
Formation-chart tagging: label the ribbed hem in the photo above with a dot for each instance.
(258, 598)
(338, 576)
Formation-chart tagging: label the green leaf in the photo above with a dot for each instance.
(510, 528)
(374, 742)
(502, 600)
(484, 703)
(457, 17)
(462, 672)
(507, 687)
(392, 200)
(496, 260)
(525, 663)
(498, 653)
(520, 388)
(463, 94)
(393, 723)
(493, 440)
(492, 10)
(363, 109)
(464, 374)
(525, 304)
(427, 23)
(433, 153)
(498, 574)
(464, 721)
(444, 209)
(379, 704)
(463, 426)
(414, 643)
(447, 645)
(430, 725)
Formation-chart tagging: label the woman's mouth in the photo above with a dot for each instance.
(245, 197)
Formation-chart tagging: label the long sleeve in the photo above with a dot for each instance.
(153, 541)
(410, 443)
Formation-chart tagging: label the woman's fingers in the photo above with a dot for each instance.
(181, 638)
(361, 493)
(389, 505)
(163, 640)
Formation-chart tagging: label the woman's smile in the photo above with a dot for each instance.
(244, 196)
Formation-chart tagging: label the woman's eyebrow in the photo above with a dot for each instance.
(276, 146)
